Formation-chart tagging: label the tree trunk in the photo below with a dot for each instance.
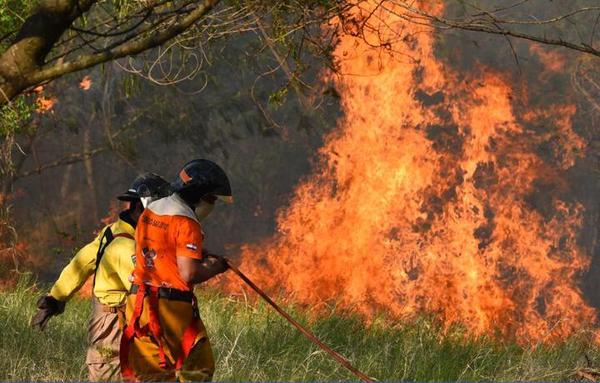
(35, 40)
(22, 65)
(89, 171)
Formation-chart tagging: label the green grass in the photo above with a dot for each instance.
(252, 343)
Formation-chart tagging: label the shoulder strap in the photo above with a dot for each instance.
(106, 239)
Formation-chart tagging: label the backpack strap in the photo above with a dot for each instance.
(106, 239)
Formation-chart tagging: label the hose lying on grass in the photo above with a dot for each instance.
(340, 359)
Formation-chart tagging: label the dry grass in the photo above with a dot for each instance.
(252, 343)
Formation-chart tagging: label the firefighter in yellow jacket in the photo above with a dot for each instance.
(109, 258)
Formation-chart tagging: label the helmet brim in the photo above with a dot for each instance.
(128, 196)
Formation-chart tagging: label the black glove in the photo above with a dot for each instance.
(217, 261)
(221, 261)
(47, 307)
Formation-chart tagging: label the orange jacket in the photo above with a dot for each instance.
(167, 229)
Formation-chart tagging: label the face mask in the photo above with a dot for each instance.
(203, 209)
(146, 201)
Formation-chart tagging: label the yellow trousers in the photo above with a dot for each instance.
(174, 318)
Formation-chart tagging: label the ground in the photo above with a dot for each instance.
(252, 343)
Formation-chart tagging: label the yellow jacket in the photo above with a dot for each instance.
(116, 265)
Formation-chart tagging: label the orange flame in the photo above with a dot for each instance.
(431, 196)
(45, 104)
(85, 83)
(552, 60)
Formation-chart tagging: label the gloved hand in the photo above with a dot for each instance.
(48, 306)
(220, 263)
(217, 262)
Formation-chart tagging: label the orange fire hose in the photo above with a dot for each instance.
(340, 359)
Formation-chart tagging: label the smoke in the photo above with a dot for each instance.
(544, 123)
(159, 128)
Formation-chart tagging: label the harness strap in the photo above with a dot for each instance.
(154, 329)
(169, 293)
(154, 324)
(188, 340)
(131, 330)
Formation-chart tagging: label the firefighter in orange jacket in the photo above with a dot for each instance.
(165, 339)
(109, 259)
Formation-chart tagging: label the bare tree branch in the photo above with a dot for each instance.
(66, 160)
(492, 25)
(127, 49)
(22, 67)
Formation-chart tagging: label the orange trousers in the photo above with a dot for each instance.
(174, 317)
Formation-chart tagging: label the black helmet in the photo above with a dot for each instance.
(200, 178)
(147, 187)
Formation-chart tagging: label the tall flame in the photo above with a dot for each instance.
(436, 195)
